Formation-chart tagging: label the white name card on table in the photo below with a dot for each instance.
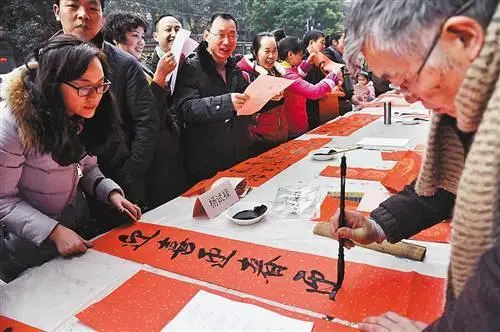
(386, 142)
(261, 91)
(215, 201)
(183, 45)
(240, 185)
(210, 312)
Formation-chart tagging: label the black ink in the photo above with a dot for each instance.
(314, 280)
(131, 240)
(182, 248)
(214, 257)
(268, 269)
(9, 329)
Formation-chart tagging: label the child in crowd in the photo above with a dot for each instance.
(364, 91)
(290, 52)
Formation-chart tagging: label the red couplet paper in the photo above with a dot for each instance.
(438, 233)
(404, 172)
(369, 174)
(345, 126)
(293, 278)
(148, 301)
(330, 205)
(7, 324)
(260, 169)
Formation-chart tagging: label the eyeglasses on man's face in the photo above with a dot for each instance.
(84, 91)
(232, 36)
(405, 87)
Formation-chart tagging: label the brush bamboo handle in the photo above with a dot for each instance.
(400, 249)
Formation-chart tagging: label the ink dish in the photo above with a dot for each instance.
(324, 154)
(247, 213)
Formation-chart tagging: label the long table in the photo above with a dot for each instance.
(49, 296)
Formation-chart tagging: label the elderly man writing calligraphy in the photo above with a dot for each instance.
(446, 54)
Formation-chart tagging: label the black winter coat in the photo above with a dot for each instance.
(127, 161)
(213, 137)
(406, 213)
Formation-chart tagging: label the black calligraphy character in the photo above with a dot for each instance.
(268, 269)
(213, 202)
(219, 197)
(9, 329)
(182, 248)
(313, 282)
(214, 257)
(132, 239)
(225, 194)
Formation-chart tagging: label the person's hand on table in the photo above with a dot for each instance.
(68, 242)
(390, 322)
(125, 206)
(358, 229)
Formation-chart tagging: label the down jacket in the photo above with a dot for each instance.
(36, 193)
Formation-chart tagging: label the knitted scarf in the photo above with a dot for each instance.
(478, 110)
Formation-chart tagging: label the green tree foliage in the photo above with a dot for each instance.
(295, 16)
(26, 24)
(29, 22)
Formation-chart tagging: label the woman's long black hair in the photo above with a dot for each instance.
(61, 59)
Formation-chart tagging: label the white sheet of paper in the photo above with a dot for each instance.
(390, 142)
(218, 199)
(209, 312)
(261, 91)
(182, 45)
(372, 199)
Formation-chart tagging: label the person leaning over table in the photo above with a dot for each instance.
(57, 112)
(208, 95)
(290, 53)
(446, 56)
(165, 178)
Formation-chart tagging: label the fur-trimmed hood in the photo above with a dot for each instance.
(17, 101)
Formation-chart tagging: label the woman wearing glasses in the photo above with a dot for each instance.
(57, 113)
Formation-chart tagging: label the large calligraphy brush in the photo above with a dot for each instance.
(342, 223)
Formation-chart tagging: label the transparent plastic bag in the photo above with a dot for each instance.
(297, 202)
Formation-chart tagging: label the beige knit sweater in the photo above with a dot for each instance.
(475, 228)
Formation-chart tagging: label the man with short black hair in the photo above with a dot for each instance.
(166, 28)
(127, 161)
(207, 97)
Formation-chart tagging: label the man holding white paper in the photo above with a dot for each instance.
(161, 62)
(207, 99)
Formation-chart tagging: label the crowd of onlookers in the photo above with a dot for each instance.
(100, 122)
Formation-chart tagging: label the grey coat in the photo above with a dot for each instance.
(36, 193)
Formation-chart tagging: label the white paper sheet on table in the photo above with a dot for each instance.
(372, 199)
(261, 91)
(388, 142)
(209, 312)
(183, 45)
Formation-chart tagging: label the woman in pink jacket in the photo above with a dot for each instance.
(290, 51)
